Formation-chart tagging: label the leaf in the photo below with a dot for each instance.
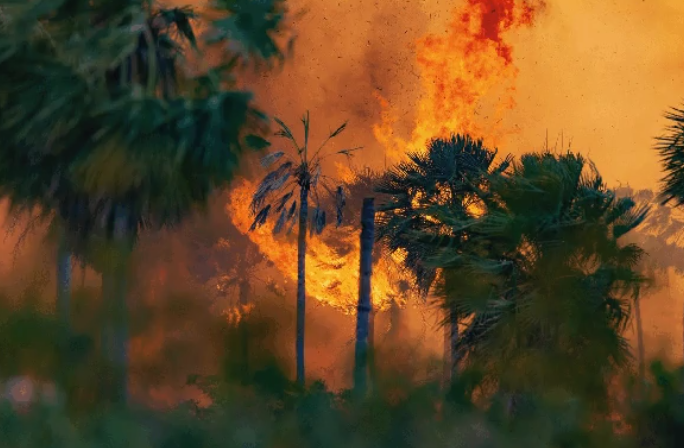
(281, 181)
(305, 122)
(340, 202)
(286, 132)
(320, 222)
(272, 158)
(339, 130)
(271, 182)
(256, 142)
(260, 218)
(313, 219)
(292, 216)
(293, 210)
(317, 221)
(349, 152)
(281, 221)
(283, 200)
(316, 176)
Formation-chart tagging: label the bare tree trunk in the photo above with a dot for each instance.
(64, 282)
(301, 281)
(364, 307)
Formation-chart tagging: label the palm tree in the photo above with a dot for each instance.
(660, 236)
(670, 147)
(302, 174)
(452, 172)
(365, 306)
(544, 280)
(122, 140)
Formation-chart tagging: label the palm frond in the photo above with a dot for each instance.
(285, 131)
(281, 221)
(340, 202)
(260, 218)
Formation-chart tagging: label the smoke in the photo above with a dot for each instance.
(599, 73)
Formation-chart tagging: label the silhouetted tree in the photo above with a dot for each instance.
(103, 128)
(452, 172)
(301, 173)
(365, 302)
(544, 279)
(670, 147)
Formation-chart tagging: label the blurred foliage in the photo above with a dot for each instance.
(256, 405)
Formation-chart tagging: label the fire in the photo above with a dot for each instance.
(461, 71)
(332, 278)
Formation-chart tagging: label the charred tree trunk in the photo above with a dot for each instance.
(301, 280)
(372, 372)
(364, 307)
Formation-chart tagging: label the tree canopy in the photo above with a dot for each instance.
(100, 112)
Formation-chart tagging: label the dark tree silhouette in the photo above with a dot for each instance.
(302, 174)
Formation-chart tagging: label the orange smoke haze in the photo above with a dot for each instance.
(457, 70)
(596, 76)
(599, 74)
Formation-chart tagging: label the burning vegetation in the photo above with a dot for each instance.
(122, 122)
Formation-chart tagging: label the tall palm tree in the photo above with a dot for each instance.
(452, 172)
(660, 236)
(545, 281)
(122, 139)
(670, 147)
(365, 306)
(301, 173)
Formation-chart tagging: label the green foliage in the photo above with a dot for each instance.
(543, 282)
(256, 405)
(93, 125)
(658, 418)
(671, 149)
(452, 172)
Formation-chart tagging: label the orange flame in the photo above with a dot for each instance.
(332, 278)
(460, 70)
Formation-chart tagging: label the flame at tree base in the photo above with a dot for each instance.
(332, 275)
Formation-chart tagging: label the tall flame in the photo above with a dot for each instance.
(459, 70)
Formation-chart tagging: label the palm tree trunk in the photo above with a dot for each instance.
(371, 348)
(301, 281)
(453, 342)
(64, 282)
(640, 339)
(364, 305)
(446, 356)
(114, 283)
(243, 297)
